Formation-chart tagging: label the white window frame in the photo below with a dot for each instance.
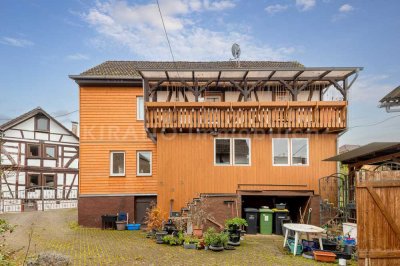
(288, 149)
(230, 152)
(234, 152)
(291, 152)
(138, 111)
(137, 164)
(112, 164)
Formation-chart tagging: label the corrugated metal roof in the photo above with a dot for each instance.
(367, 152)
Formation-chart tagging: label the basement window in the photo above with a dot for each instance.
(144, 162)
(222, 148)
(117, 163)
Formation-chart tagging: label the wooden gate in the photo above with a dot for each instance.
(378, 217)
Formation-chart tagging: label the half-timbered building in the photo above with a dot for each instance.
(246, 134)
(39, 163)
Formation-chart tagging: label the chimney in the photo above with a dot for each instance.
(75, 128)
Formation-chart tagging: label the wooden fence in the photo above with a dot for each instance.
(378, 217)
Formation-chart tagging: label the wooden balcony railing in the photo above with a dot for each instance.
(242, 115)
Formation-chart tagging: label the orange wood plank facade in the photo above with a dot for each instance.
(182, 164)
(108, 123)
(186, 167)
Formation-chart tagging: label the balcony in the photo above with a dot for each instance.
(187, 116)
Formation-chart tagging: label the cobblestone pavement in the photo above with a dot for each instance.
(57, 231)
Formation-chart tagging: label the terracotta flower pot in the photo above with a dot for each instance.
(198, 231)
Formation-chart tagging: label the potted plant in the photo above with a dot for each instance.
(190, 242)
(170, 239)
(234, 229)
(154, 220)
(199, 215)
(215, 241)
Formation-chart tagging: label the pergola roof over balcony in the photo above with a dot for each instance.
(249, 74)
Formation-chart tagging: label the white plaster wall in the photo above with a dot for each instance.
(231, 96)
(26, 125)
(49, 163)
(33, 162)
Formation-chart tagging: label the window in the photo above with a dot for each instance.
(33, 180)
(139, 108)
(235, 151)
(49, 181)
(222, 151)
(299, 151)
(33, 150)
(143, 165)
(280, 151)
(241, 151)
(42, 123)
(50, 152)
(117, 163)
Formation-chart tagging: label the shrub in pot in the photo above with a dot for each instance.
(234, 226)
(154, 221)
(190, 242)
(199, 215)
(215, 241)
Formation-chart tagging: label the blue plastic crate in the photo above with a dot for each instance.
(133, 227)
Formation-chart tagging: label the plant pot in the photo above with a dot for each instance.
(324, 256)
(159, 237)
(234, 243)
(121, 225)
(198, 231)
(189, 246)
(233, 228)
(216, 248)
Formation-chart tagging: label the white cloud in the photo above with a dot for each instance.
(77, 57)
(17, 42)
(139, 28)
(346, 8)
(272, 9)
(370, 88)
(305, 5)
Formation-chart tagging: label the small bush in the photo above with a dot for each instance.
(50, 259)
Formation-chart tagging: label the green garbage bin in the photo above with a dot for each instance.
(266, 220)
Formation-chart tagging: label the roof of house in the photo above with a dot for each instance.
(391, 97)
(130, 68)
(348, 147)
(367, 152)
(32, 113)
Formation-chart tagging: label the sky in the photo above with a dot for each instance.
(44, 41)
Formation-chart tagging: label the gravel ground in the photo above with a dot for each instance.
(57, 231)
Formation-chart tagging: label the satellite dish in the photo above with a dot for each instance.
(236, 51)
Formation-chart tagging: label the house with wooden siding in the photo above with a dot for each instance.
(246, 134)
(38, 164)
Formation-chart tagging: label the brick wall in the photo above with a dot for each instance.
(90, 209)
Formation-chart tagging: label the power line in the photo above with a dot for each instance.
(8, 119)
(66, 114)
(165, 31)
(375, 124)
